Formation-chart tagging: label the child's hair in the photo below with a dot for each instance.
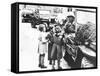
(41, 28)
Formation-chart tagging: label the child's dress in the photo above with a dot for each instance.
(42, 43)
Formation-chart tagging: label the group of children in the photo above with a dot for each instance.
(58, 39)
(55, 40)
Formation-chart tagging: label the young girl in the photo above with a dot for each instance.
(56, 53)
(42, 47)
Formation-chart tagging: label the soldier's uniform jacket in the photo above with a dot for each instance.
(69, 28)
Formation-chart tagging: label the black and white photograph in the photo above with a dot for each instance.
(53, 37)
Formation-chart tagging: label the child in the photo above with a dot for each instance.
(42, 48)
(56, 53)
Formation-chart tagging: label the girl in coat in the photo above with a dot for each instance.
(56, 53)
